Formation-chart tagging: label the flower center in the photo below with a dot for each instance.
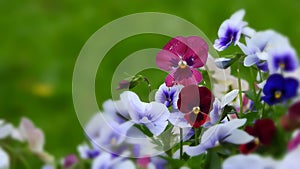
(182, 64)
(256, 141)
(282, 65)
(277, 94)
(196, 110)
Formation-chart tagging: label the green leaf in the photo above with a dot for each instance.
(197, 162)
(213, 160)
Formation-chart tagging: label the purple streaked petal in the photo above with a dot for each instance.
(135, 106)
(167, 60)
(196, 53)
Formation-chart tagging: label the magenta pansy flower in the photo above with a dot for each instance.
(180, 57)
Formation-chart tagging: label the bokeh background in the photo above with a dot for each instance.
(41, 39)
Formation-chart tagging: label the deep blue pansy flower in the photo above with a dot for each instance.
(279, 89)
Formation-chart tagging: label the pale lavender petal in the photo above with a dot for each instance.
(177, 119)
(5, 130)
(238, 137)
(215, 134)
(214, 114)
(134, 105)
(125, 164)
(196, 150)
(248, 31)
(229, 97)
(249, 162)
(238, 15)
(157, 127)
(4, 162)
(291, 160)
(251, 60)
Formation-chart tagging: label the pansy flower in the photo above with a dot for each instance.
(180, 57)
(109, 161)
(86, 152)
(283, 56)
(153, 115)
(231, 30)
(257, 49)
(278, 89)
(227, 132)
(168, 95)
(291, 120)
(263, 131)
(195, 102)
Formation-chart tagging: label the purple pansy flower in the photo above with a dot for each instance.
(219, 106)
(257, 49)
(230, 31)
(227, 132)
(86, 152)
(282, 58)
(278, 89)
(153, 115)
(168, 95)
(180, 57)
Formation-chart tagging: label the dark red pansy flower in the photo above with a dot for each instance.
(195, 102)
(264, 131)
(180, 57)
(291, 120)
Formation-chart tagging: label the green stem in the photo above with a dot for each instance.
(209, 78)
(196, 137)
(181, 143)
(240, 89)
(16, 154)
(148, 84)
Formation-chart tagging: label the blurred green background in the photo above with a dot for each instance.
(41, 39)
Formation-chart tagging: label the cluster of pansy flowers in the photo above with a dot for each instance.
(222, 121)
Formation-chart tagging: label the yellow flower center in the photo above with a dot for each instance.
(282, 65)
(277, 94)
(196, 110)
(182, 64)
(256, 141)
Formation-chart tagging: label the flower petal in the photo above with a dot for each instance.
(134, 105)
(229, 97)
(5, 130)
(249, 162)
(251, 60)
(177, 119)
(238, 137)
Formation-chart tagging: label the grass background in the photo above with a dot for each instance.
(41, 39)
